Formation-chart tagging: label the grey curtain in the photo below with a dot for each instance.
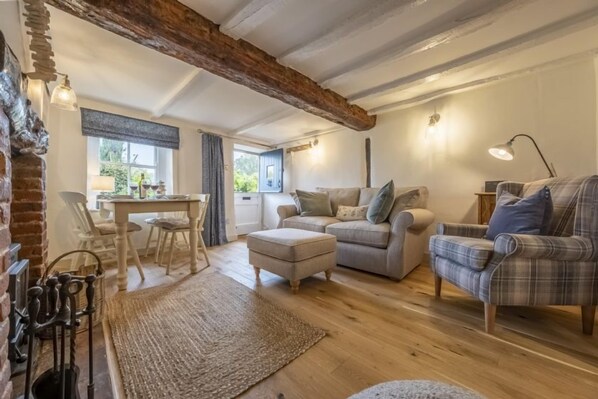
(212, 166)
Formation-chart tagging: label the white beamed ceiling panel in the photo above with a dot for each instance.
(572, 47)
(109, 68)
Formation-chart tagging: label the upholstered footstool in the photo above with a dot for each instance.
(292, 253)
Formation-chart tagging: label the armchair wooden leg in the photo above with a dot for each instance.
(489, 317)
(587, 319)
(437, 285)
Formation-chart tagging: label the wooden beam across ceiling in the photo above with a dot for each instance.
(176, 30)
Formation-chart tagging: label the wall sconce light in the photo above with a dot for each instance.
(302, 147)
(505, 152)
(433, 121)
(63, 96)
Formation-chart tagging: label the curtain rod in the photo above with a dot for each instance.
(237, 139)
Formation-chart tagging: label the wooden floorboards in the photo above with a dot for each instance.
(380, 330)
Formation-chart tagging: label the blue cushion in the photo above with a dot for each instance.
(381, 205)
(529, 215)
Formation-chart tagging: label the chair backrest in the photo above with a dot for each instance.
(204, 203)
(565, 193)
(76, 204)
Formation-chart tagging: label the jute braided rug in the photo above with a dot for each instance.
(205, 337)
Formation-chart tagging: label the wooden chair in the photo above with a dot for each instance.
(175, 226)
(153, 223)
(97, 237)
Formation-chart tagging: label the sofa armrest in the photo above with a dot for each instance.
(284, 212)
(462, 230)
(546, 247)
(416, 219)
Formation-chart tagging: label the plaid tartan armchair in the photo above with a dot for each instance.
(527, 270)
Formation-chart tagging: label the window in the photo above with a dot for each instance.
(247, 167)
(126, 162)
(258, 172)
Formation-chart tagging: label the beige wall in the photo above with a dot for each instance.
(67, 169)
(557, 107)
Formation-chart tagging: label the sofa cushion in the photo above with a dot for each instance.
(314, 203)
(382, 204)
(341, 196)
(361, 232)
(367, 194)
(406, 199)
(530, 215)
(349, 213)
(311, 223)
(471, 252)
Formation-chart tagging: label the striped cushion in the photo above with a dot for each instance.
(471, 252)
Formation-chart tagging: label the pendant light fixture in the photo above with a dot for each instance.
(64, 96)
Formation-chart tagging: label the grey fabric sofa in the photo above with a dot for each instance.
(392, 248)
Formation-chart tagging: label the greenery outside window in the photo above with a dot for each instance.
(247, 165)
(126, 162)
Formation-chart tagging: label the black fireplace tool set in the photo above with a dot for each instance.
(52, 308)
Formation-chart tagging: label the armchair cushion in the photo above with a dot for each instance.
(471, 252)
(529, 215)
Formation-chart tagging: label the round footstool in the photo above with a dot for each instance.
(415, 389)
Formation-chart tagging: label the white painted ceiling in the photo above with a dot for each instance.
(380, 54)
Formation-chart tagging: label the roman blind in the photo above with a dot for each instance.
(117, 127)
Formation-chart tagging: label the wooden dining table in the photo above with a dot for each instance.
(122, 208)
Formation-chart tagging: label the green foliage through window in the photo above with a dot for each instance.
(246, 172)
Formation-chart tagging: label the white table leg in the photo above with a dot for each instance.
(121, 254)
(193, 244)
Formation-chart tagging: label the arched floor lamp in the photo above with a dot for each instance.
(506, 153)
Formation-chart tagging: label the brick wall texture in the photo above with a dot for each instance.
(28, 211)
(5, 199)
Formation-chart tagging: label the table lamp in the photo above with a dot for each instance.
(104, 184)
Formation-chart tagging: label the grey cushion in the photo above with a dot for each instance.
(110, 228)
(471, 252)
(291, 245)
(311, 223)
(407, 199)
(361, 232)
(314, 203)
(529, 215)
(382, 203)
(173, 223)
(341, 196)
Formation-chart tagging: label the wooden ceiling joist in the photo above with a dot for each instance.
(176, 30)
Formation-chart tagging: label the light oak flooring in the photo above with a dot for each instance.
(379, 330)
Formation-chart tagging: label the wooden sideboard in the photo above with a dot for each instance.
(486, 204)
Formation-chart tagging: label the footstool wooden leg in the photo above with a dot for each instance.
(257, 272)
(295, 286)
(328, 274)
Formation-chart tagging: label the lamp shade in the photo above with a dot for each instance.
(64, 97)
(102, 183)
(502, 151)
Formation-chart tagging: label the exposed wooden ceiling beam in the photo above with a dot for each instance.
(249, 16)
(531, 39)
(175, 93)
(394, 106)
(266, 120)
(430, 38)
(373, 15)
(176, 30)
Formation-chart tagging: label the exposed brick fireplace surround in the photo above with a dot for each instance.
(22, 191)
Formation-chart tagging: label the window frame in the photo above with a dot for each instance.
(128, 164)
(257, 154)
